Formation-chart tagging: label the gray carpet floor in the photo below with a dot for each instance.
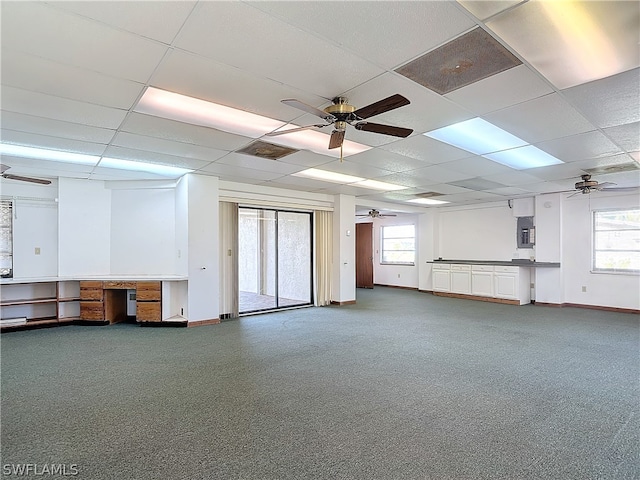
(402, 385)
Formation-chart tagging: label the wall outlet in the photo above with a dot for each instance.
(182, 311)
(37, 250)
(398, 275)
(584, 288)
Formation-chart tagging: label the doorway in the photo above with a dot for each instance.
(274, 259)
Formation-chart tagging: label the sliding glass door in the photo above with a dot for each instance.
(274, 259)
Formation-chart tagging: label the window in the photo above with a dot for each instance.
(6, 239)
(398, 244)
(616, 240)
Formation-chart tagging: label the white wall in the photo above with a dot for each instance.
(84, 225)
(143, 231)
(343, 287)
(35, 225)
(477, 233)
(603, 289)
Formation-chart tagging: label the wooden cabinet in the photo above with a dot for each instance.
(92, 301)
(149, 302)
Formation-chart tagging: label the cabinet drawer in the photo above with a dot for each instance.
(441, 266)
(482, 268)
(90, 284)
(148, 291)
(461, 268)
(503, 269)
(91, 293)
(92, 310)
(148, 311)
(120, 285)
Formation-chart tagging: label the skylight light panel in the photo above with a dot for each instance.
(182, 108)
(523, 158)
(476, 136)
(46, 154)
(164, 170)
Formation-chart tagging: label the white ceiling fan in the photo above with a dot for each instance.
(587, 186)
(20, 178)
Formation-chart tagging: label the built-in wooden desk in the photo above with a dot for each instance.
(106, 301)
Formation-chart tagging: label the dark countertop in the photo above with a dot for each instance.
(503, 263)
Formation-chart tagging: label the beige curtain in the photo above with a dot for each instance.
(324, 256)
(228, 215)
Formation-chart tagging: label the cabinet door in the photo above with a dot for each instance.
(461, 281)
(506, 285)
(441, 281)
(482, 284)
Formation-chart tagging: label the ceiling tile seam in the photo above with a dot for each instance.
(54, 137)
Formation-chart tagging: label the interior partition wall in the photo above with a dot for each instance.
(274, 259)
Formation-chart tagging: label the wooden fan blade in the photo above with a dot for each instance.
(389, 103)
(384, 129)
(291, 130)
(292, 102)
(4, 168)
(337, 137)
(602, 185)
(26, 179)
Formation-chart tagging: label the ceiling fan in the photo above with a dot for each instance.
(341, 114)
(587, 186)
(10, 176)
(376, 214)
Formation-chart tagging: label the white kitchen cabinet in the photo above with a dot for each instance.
(461, 279)
(482, 280)
(512, 283)
(441, 277)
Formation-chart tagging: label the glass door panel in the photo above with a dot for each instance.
(294, 259)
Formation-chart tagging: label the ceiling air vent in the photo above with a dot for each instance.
(461, 62)
(266, 150)
(427, 195)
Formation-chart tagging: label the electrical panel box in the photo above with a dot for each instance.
(526, 232)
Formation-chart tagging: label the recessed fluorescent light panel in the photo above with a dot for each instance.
(45, 154)
(182, 108)
(334, 177)
(427, 201)
(376, 185)
(164, 170)
(483, 138)
(476, 136)
(523, 157)
(327, 176)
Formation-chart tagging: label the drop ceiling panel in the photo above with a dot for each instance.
(57, 108)
(553, 173)
(484, 9)
(573, 42)
(45, 76)
(212, 81)
(504, 89)
(299, 183)
(182, 132)
(311, 65)
(609, 102)
(580, 147)
(125, 153)
(55, 128)
(35, 167)
(513, 178)
(307, 159)
(438, 174)
(626, 136)
(426, 149)
(227, 172)
(540, 119)
(54, 143)
(477, 166)
(405, 179)
(45, 31)
(386, 33)
(157, 20)
(158, 145)
(387, 160)
(608, 163)
(102, 173)
(356, 169)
